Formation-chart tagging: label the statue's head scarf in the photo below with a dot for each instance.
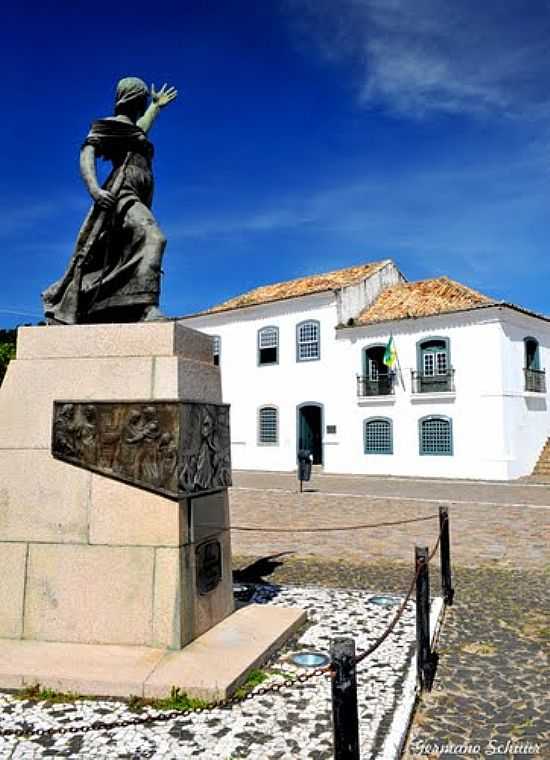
(128, 89)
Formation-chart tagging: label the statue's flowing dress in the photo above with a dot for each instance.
(121, 275)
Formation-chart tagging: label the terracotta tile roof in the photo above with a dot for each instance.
(303, 286)
(422, 299)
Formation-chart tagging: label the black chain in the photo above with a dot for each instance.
(324, 529)
(380, 640)
(222, 704)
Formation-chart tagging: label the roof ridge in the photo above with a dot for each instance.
(446, 278)
(318, 274)
(366, 269)
(431, 296)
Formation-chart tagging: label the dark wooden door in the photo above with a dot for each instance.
(310, 434)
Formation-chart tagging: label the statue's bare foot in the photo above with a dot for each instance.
(153, 314)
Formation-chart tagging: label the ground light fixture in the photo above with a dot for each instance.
(309, 659)
(384, 601)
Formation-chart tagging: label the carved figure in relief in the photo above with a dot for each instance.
(186, 475)
(64, 431)
(126, 453)
(87, 442)
(148, 463)
(207, 460)
(168, 459)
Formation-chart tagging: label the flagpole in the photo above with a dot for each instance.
(400, 370)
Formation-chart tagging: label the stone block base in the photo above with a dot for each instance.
(211, 667)
(89, 560)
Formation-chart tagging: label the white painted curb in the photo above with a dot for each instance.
(399, 729)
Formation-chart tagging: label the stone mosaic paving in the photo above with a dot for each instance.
(293, 724)
(490, 697)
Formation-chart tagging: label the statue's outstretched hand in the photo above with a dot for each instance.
(164, 96)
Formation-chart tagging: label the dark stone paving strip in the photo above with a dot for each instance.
(492, 683)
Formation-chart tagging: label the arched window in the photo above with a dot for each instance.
(268, 345)
(268, 425)
(216, 349)
(308, 342)
(434, 372)
(535, 377)
(378, 436)
(532, 353)
(377, 379)
(436, 436)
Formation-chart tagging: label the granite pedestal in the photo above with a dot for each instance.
(87, 560)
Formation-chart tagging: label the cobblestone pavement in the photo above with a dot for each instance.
(492, 680)
(485, 518)
(525, 491)
(491, 687)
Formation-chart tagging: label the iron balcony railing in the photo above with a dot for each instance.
(535, 380)
(422, 383)
(381, 387)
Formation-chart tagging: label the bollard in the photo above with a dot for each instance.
(305, 460)
(345, 721)
(445, 556)
(426, 660)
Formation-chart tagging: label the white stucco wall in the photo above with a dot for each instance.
(354, 298)
(498, 429)
(526, 414)
(247, 386)
(475, 408)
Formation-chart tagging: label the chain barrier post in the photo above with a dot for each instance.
(445, 549)
(345, 719)
(426, 660)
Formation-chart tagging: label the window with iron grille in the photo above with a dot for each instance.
(436, 436)
(268, 425)
(307, 341)
(268, 345)
(378, 436)
(216, 349)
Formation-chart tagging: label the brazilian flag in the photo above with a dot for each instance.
(390, 354)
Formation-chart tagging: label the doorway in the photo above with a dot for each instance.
(310, 430)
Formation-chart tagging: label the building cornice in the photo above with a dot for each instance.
(498, 306)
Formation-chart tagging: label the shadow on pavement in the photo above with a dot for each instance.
(258, 570)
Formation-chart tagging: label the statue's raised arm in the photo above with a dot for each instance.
(114, 274)
(159, 100)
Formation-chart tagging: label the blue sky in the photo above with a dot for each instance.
(309, 135)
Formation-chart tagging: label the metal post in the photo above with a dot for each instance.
(345, 720)
(425, 659)
(445, 556)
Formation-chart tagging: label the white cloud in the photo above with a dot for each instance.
(261, 220)
(418, 56)
(467, 221)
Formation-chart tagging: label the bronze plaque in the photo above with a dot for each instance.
(174, 448)
(209, 566)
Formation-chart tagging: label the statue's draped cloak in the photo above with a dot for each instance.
(115, 274)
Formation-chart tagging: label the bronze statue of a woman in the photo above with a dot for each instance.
(114, 274)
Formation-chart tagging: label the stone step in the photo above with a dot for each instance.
(211, 667)
(542, 467)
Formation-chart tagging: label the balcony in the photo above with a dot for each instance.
(383, 386)
(535, 380)
(444, 383)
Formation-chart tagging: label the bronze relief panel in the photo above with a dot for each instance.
(173, 448)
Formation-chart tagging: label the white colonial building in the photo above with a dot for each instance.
(302, 367)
